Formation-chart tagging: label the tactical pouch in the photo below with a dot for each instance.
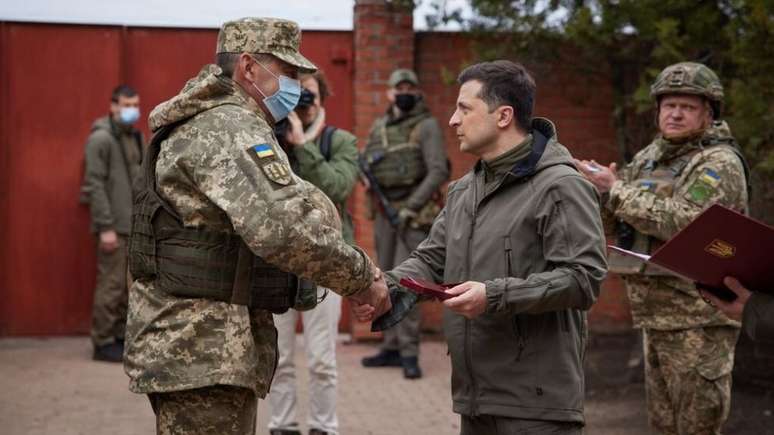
(142, 243)
(401, 165)
(306, 295)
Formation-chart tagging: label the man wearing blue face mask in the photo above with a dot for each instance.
(113, 156)
(224, 235)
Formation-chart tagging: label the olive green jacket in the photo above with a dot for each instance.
(335, 177)
(758, 318)
(536, 241)
(113, 157)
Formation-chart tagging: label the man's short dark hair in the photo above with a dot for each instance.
(122, 91)
(504, 83)
(228, 61)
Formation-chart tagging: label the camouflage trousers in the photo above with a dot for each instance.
(220, 409)
(108, 313)
(688, 379)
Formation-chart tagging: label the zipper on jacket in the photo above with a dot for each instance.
(507, 243)
(520, 341)
(468, 323)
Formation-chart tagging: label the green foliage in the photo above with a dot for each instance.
(627, 43)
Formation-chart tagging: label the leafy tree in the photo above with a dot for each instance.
(627, 42)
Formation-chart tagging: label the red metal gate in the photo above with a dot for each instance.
(56, 79)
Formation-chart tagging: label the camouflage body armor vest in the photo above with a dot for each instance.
(395, 155)
(659, 178)
(195, 263)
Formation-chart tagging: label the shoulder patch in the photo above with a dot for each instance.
(277, 172)
(710, 177)
(704, 187)
(263, 150)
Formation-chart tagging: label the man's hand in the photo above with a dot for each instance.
(108, 241)
(295, 134)
(735, 308)
(405, 216)
(602, 177)
(372, 302)
(470, 300)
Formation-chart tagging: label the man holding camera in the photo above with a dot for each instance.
(325, 156)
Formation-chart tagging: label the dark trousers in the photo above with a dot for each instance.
(392, 248)
(496, 425)
(108, 314)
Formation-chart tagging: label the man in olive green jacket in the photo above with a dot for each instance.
(113, 156)
(521, 243)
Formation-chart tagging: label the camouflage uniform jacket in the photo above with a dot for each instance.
(209, 171)
(709, 173)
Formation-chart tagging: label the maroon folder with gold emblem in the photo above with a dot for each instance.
(719, 243)
(427, 288)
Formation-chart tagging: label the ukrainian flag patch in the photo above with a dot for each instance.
(263, 150)
(710, 177)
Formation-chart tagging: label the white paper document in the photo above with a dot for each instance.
(643, 257)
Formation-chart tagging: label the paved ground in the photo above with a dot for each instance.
(51, 386)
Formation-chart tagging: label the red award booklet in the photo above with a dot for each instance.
(719, 243)
(427, 288)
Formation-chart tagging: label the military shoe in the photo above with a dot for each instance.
(385, 358)
(411, 368)
(113, 352)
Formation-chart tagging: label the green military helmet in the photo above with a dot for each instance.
(689, 78)
(401, 75)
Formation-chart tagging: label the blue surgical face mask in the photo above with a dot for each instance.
(129, 115)
(282, 102)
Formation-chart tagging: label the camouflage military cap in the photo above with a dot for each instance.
(403, 75)
(274, 36)
(688, 78)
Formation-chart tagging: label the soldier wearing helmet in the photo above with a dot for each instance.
(693, 162)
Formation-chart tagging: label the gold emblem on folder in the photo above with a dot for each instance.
(721, 249)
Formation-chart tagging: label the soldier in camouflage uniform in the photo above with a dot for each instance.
(693, 163)
(221, 212)
(407, 156)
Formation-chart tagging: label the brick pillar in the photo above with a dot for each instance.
(384, 41)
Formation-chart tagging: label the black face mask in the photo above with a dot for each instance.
(406, 102)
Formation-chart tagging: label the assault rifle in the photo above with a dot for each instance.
(365, 172)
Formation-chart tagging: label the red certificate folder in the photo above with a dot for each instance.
(427, 288)
(719, 243)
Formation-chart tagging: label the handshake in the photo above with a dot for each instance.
(372, 302)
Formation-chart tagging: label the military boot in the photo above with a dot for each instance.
(385, 358)
(411, 368)
(113, 352)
